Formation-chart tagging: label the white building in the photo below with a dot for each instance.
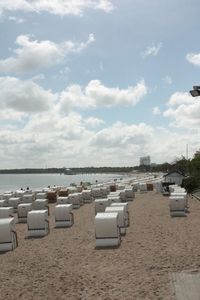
(145, 161)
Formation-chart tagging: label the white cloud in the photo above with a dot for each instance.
(152, 50)
(95, 94)
(184, 111)
(24, 96)
(156, 110)
(193, 58)
(179, 98)
(32, 55)
(167, 79)
(56, 7)
(120, 135)
(93, 122)
(16, 20)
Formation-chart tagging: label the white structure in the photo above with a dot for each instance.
(62, 200)
(145, 161)
(174, 177)
(121, 216)
(41, 195)
(75, 199)
(107, 231)
(63, 215)
(129, 194)
(22, 211)
(97, 193)
(41, 204)
(38, 224)
(6, 212)
(142, 187)
(3, 203)
(177, 206)
(14, 202)
(8, 235)
(101, 204)
(125, 205)
(87, 196)
(28, 198)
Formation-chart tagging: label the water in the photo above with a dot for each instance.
(12, 182)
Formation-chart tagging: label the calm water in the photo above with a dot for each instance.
(12, 182)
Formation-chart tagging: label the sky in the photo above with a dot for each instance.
(98, 82)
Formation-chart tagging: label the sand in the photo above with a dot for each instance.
(66, 265)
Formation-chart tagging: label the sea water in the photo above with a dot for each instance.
(12, 182)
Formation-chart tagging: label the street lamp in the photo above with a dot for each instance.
(196, 91)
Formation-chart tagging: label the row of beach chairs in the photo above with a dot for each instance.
(112, 217)
(33, 209)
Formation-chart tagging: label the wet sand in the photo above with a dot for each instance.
(66, 265)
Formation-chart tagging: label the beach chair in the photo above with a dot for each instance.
(107, 232)
(62, 200)
(63, 215)
(22, 211)
(28, 198)
(129, 194)
(125, 205)
(38, 224)
(8, 235)
(3, 203)
(177, 206)
(75, 199)
(14, 202)
(121, 217)
(87, 196)
(41, 204)
(41, 195)
(101, 204)
(6, 212)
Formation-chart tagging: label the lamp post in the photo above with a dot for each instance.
(196, 91)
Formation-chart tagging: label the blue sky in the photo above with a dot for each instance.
(97, 82)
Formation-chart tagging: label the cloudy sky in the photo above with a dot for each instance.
(98, 82)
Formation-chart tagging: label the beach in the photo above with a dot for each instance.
(66, 265)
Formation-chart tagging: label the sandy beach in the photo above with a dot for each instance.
(66, 265)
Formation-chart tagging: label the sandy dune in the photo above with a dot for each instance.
(65, 264)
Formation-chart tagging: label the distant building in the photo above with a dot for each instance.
(145, 161)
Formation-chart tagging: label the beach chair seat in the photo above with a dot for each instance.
(28, 198)
(121, 217)
(41, 204)
(6, 212)
(42, 195)
(107, 232)
(75, 199)
(8, 235)
(38, 223)
(87, 196)
(22, 211)
(14, 202)
(101, 204)
(126, 207)
(63, 215)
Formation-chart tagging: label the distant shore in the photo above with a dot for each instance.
(71, 171)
